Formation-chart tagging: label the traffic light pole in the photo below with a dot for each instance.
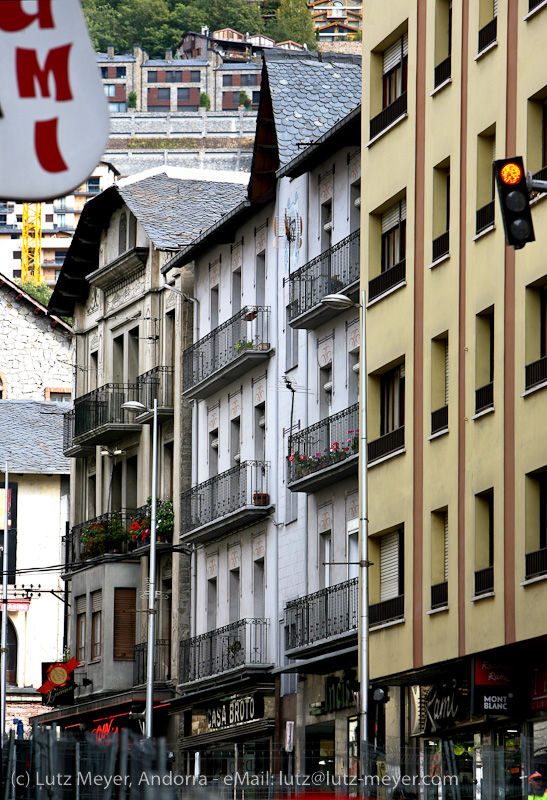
(534, 185)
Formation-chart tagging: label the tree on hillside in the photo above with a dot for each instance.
(102, 21)
(293, 20)
(238, 14)
(148, 22)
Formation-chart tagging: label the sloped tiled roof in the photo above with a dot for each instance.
(175, 62)
(31, 437)
(173, 211)
(113, 59)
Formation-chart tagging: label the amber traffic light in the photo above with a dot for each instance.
(514, 200)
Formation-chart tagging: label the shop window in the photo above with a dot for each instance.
(484, 542)
(125, 612)
(96, 623)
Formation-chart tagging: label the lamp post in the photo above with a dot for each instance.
(340, 302)
(4, 634)
(138, 408)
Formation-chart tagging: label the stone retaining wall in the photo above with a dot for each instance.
(197, 124)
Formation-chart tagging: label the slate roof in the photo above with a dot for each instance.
(175, 62)
(309, 96)
(174, 211)
(247, 65)
(113, 59)
(31, 437)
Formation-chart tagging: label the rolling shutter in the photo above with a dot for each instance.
(125, 605)
(80, 604)
(96, 601)
(446, 372)
(393, 216)
(446, 545)
(389, 566)
(394, 54)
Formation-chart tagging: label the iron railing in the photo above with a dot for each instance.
(248, 330)
(534, 4)
(484, 580)
(386, 444)
(329, 612)
(439, 595)
(488, 34)
(328, 442)
(103, 406)
(69, 422)
(387, 610)
(387, 280)
(239, 644)
(156, 384)
(536, 563)
(485, 216)
(328, 273)
(441, 246)
(541, 174)
(536, 372)
(102, 535)
(439, 419)
(484, 397)
(386, 117)
(162, 662)
(243, 485)
(443, 71)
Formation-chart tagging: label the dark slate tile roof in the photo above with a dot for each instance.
(175, 62)
(309, 96)
(173, 211)
(235, 67)
(31, 437)
(112, 60)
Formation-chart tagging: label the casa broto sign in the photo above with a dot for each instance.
(54, 119)
(235, 711)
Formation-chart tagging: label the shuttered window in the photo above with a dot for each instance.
(125, 605)
(80, 627)
(395, 70)
(389, 566)
(96, 623)
(393, 235)
(445, 568)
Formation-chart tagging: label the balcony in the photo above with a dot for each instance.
(484, 581)
(536, 373)
(226, 502)
(388, 116)
(439, 420)
(325, 452)
(242, 645)
(99, 417)
(335, 270)
(156, 384)
(230, 350)
(386, 445)
(386, 611)
(98, 537)
(441, 246)
(318, 621)
(488, 34)
(485, 217)
(162, 662)
(484, 398)
(439, 595)
(534, 4)
(536, 563)
(387, 280)
(443, 72)
(71, 450)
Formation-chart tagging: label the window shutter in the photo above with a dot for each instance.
(446, 372)
(80, 604)
(392, 56)
(96, 601)
(405, 41)
(391, 218)
(125, 605)
(495, 8)
(403, 209)
(389, 566)
(446, 545)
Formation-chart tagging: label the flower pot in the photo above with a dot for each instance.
(261, 499)
(263, 346)
(250, 316)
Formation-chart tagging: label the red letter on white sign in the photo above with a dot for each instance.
(14, 18)
(28, 70)
(47, 147)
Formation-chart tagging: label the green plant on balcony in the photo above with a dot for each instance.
(301, 463)
(165, 519)
(104, 536)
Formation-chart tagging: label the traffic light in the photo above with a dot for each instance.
(514, 200)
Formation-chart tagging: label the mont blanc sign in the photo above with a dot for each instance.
(54, 118)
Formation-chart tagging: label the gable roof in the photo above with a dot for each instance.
(6, 284)
(32, 437)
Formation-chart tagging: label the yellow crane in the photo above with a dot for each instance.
(31, 250)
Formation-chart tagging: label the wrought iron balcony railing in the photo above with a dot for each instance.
(321, 615)
(333, 271)
(536, 563)
(240, 644)
(443, 71)
(485, 217)
(103, 406)
(439, 595)
(439, 420)
(331, 441)
(386, 117)
(162, 662)
(541, 174)
(387, 280)
(156, 384)
(387, 610)
(99, 536)
(488, 34)
(441, 246)
(484, 397)
(484, 580)
(534, 4)
(386, 444)
(246, 333)
(224, 494)
(536, 372)
(69, 422)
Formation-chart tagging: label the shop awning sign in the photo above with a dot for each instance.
(493, 690)
(235, 711)
(58, 686)
(539, 689)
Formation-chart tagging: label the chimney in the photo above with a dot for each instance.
(204, 30)
(110, 51)
(169, 55)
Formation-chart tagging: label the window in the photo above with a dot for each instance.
(60, 256)
(353, 548)
(227, 80)
(391, 566)
(260, 432)
(183, 95)
(325, 557)
(441, 210)
(117, 107)
(325, 391)
(395, 71)
(125, 612)
(61, 203)
(152, 76)
(256, 98)
(443, 41)
(195, 76)
(211, 604)
(80, 627)
(235, 442)
(249, 80)
(17, 255)
(536, 334)
(536, 153)
(93, 185)
(488, 11)
(122, 234)
(484, 366)
(260, 279)
(486, 155)
(355, 205)
(213, 453)
(439, 383)
(110, 89)
(326, 225)
(258, 588)
(61, 221)
(439, 558)
(96, 623)
(536, 524)
(392, 400)
(173, 76)
(484, 542)
(104, 72)
(235, 98)
(234, 589)
(393, 236)
(291, 343)
(164, 95)
(60, 397)
(120, 72)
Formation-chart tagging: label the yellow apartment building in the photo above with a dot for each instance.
(457, 400)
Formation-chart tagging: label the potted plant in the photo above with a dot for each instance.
(239, 345)
(103, 536)
(250, 344)
(261, 499)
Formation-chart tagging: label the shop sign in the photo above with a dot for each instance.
(492, 689)
(339, 694)
(539, 689)
(103, 732)
(445, 705)
(235, 711)
(57, 688)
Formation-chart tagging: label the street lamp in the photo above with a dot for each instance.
(139, 408)
(340, 302)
